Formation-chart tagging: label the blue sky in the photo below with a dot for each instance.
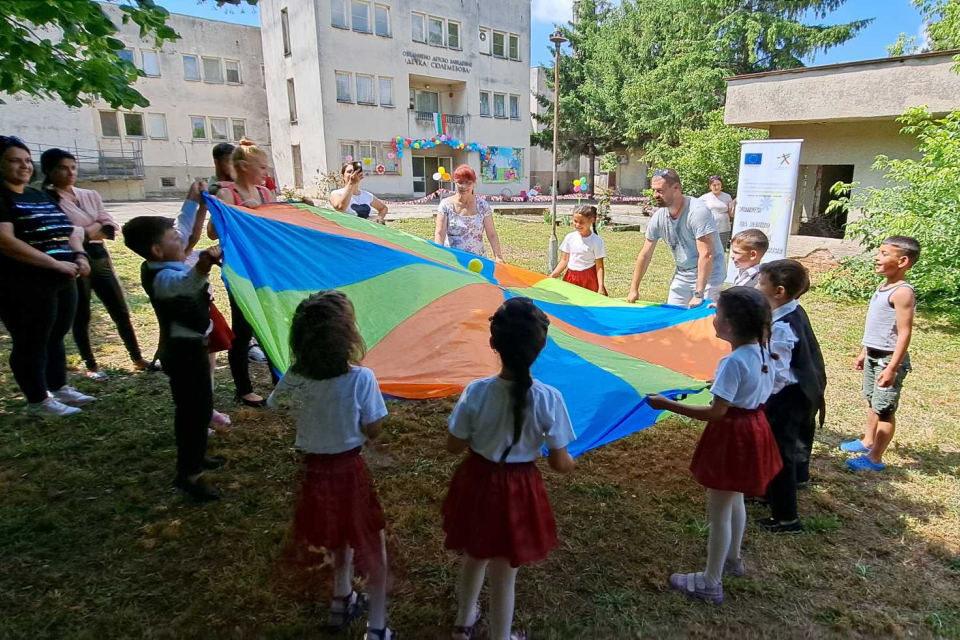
(891, 18)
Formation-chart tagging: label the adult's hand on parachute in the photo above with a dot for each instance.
(633, 296)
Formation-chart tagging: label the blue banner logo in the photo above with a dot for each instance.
(752, 158)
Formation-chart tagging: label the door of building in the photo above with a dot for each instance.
(423, 170)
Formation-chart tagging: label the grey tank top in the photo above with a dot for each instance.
(881, 330)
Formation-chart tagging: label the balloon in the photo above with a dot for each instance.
(367, 160)
(577, 189)
(437, 176)
(390, 155)
(349, 158)
(475, 265)
(576, 183)
(583, 181)
(416, 145)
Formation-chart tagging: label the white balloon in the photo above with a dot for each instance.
(437, 176)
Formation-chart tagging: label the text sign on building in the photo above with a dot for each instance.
(437, 62)
(766, 192)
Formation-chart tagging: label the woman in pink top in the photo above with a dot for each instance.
(85, 209)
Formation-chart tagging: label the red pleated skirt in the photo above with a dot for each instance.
(586, 278)
(221, 337)
(737, 453)
(337, 506)
(499, 511)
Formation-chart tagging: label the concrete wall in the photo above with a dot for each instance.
(879, 89)
(319, 50)
(46, 122)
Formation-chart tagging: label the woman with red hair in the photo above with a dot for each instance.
(463, 218)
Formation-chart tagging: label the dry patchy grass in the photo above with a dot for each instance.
(94, 543)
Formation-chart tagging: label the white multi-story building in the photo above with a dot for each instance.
(347, 78)
(208, 87)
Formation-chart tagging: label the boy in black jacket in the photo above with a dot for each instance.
(798, 391)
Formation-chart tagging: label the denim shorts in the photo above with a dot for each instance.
(883, 400)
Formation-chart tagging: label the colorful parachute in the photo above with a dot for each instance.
(424, 316)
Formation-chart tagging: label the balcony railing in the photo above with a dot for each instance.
(122, 161)
(423, 124)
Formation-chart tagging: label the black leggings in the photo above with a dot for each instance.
(238, 355)
(38, 315)
(103, 282)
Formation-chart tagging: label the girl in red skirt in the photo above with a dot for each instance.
(582, 252)
(737, 453)
(338, 406)
(496, 511)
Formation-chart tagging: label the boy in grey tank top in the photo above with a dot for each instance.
(884, 359)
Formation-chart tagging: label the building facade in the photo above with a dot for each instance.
(846, 114)
(347, 78)
(208, 87)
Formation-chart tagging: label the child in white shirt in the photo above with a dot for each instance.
(496, 510)
(582, 253)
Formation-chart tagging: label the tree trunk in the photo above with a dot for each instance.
(592, 182)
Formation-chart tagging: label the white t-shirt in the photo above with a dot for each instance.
(359, 203)
(740, 379)
(695, 221)
(719, 206)
(484, 416)
(584, 252)
(330, 412)
(782, 341)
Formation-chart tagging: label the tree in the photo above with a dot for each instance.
(711, 150)
(666, 60)
(66, 50)
(586, 127)
(941, 19)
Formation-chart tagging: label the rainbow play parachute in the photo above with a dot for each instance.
(424, 316)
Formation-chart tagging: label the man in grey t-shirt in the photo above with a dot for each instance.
(688, 228)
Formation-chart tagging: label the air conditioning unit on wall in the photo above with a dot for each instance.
(622, 159)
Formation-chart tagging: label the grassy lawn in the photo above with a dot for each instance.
(95, 543)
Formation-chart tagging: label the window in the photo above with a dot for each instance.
(499, 46)
(212, 72)
(338, 14)
(514, 47)
(191, 67)
(218, 129)
(168, 183)
(285, 27)
(365, 93)
(343, 87)
(435, 26)
(368, 150)
(347, 151)
(428, 101)
(128, 55)
(485, 103)
(453, 34)
(499, 105)
(151, 63)
(108, 124)
(413, 98)
(297, 166)
(419, 32)
(381, 18)
(157, 125)
(360, 12)
(263, 76)
(292, 100)
(515, 107)
(239, 129)
(386, 92)
(485, 40)
(233, 71)
(390, 165)
(198, 127)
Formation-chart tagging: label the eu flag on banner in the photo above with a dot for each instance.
(752, 158)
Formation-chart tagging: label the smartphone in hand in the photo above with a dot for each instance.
(109, 232)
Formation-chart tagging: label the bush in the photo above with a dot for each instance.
(923, 201)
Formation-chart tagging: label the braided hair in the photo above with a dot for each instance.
(588, 211)
(324, 339)
(749, 316)
(518, 333)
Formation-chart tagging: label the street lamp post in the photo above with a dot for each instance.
(557, 39)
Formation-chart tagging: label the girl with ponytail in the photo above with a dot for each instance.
(496, 511)
(737, 453)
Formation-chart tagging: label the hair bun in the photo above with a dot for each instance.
(247, 142)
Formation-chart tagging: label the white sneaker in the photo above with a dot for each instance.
(52, 408)
(71, 397)
(255, 354)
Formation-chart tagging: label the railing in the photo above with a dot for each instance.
(122, 161)
(423, 124)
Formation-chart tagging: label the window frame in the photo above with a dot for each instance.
(143, 125)
(292, 101)
(422, 17)
(373, 88)
(511, 37)
(489, 33)
(296, 159)
(459, 46)
(285, 31)
(167, 186)
(385, 149)
(389, 33)
(393, 100)
(196, 59)
(343, 7)
(503, 43)
(443, 31)
(156, 56)
(417, 100)
(233, 130)
(489, 113)
(133, 56)
(503, 102)
(226, 71)
(166, 132)
(219, 62)
(226, 128)
(353, 22)
(353, 151)
(513, 98)
(349, 77)
(193, 130)
(116, 123)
